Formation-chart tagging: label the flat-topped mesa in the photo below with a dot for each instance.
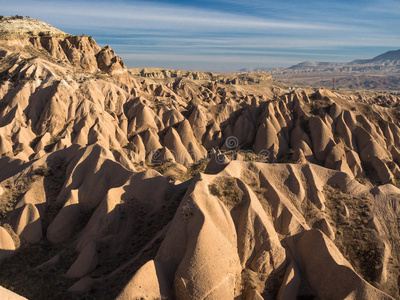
(19, 27)
(80, 51)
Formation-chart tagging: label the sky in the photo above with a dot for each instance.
(225, 35)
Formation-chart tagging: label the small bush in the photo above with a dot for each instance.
(43, 171)
(227, 190)
(187, 211)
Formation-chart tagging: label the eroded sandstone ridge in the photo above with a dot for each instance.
(171, 187)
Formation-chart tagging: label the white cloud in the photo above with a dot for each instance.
(281, 33)
(158, 15)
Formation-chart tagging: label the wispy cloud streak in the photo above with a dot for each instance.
(225, 33)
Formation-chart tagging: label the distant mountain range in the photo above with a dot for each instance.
(390, 57)
(379, 73)
(387, 62)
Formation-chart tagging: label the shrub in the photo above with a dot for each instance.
(43, 171)
(187, 211)
(227, 190)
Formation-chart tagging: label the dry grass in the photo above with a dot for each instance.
(18, 272)
(363, 180)
(13, 192)
(253, 281)
(192, 170)
(358, 243)
(251, 156)
(368, 112)
(227, 190)
(253, 181)
(319, 107)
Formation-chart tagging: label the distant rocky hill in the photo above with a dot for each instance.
(380, 73)
(387, 62)
(388, 58)
(18, 27)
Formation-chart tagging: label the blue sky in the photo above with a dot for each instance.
(225, 35)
